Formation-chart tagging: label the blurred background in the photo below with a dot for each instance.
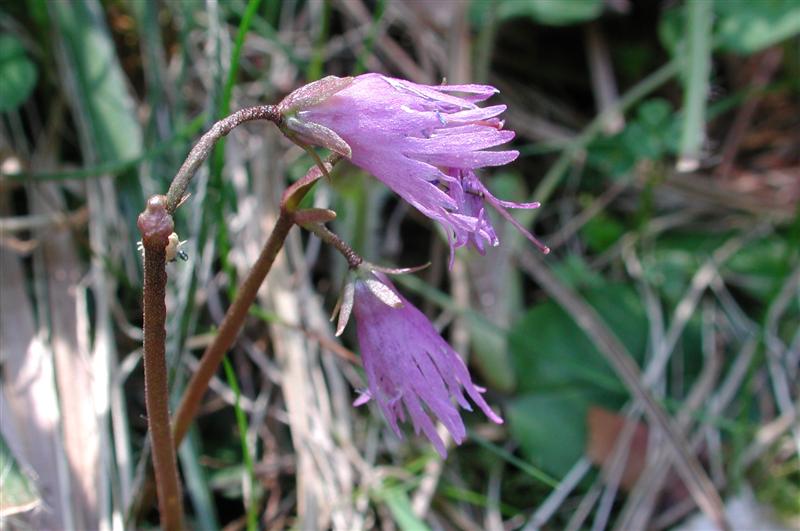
(662, 137)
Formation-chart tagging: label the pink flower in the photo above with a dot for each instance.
(409, 367)
(424, 142)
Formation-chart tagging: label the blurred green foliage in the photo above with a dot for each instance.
(561, 373)
(17, 71)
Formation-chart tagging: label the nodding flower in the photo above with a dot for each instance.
(409, 367)
(424, 142)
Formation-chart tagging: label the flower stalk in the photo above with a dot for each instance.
(324, 234)
(245, 296)
(202, 149)
(155, 225)
(230, 327)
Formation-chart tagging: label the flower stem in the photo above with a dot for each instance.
(156, 225)
(324, 234)
(202, 149)
(230, 327)
(234, 317)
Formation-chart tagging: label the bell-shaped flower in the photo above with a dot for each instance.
(410, 369)
(424, 142)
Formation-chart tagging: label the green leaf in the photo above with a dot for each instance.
(748, 26)
(741, 26)
(671, 28)
(757, 269)
(652, 134)
(550, 351)
(17, 72)
(400, 506)
(576, 273)
(601, 232)
(561, 373)
(552, 12)
(551, 428)
(18, 492)
(761, 266)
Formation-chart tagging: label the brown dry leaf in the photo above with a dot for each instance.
(604, 429)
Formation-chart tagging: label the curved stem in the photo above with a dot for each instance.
(202, 149)
(233, 320)
(324, 234)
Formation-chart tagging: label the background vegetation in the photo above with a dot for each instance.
(661, 137)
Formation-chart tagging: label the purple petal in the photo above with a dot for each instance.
(469, 160)
(474, 115)
(458, 139)
(410, 368)
(477, 92)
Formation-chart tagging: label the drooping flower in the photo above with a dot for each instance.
(409, 367)
(424, 142)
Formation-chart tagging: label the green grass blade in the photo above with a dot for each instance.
(197, 485)
(369, 41)
(514, 460)
(241, 421)
(115, 167)
(218, 156)
(696, 83)
(400, 506)
(314, 70)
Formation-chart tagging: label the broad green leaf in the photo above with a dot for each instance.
(552, 12)
(602, 231)
(550, 428)
(17, 72)
(576, 273)
(550, 351)
(748, 26)
(652, 134)
(561, 373)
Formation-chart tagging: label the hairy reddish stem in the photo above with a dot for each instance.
(202, 149)
(156, 225)
(212, 357)
(324, 234)
(246, 295)
(230, 327)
